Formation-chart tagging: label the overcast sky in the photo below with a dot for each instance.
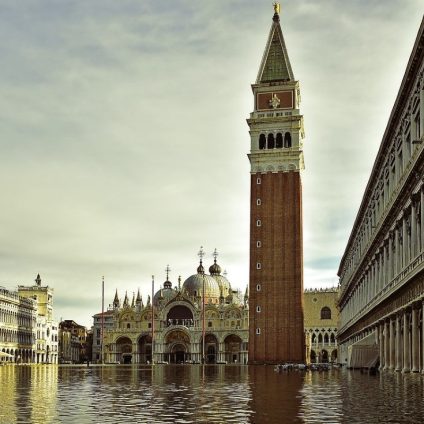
(123, 134)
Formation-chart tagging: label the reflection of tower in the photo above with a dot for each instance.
(276, 250)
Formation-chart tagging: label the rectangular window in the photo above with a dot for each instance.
(258, 180)
(258, 308)
(149, 325)
(258, 331)
(258, 244)
(258, 223)
(258, 265)
(258, 287)
(258, 202)
(209, 324)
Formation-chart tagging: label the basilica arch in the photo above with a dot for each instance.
(177, 347)
(144, 349)
(124, 350)
(233, 348)
(211, 348)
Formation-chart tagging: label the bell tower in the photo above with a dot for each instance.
(276, 332)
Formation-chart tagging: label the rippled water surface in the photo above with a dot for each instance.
(211, 394)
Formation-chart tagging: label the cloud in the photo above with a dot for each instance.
(124, 138)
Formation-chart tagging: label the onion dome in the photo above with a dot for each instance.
(167, 293)
(215, 271)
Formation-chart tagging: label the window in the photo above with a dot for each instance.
(287, 140)
(258, 223)
(258, 308)
(128, 325)
(262, 142)
(209, 323)
(325, 313)
(258, 180)
(258, 244)
(258, 202)
(149, 325)
(258, 265)
(271, 142)
(279, 141)
(258, 287)
(258, 331)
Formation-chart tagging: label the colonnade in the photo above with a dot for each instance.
(400, 339)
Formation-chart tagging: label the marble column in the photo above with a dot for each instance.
(415, 339)
(381, 345)
(413, 230)
(404, 242)
(392, 343)
(386, 345)
(398, 343)
(406, 345)
(422, 210)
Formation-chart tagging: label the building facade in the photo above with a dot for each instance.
(105, 320)
(72, 342)
(321, 319)
(18, 321)
(202, 320)
(276, 332)
(47, 336)
(381, 272)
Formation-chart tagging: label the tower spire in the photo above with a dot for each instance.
(275, 65)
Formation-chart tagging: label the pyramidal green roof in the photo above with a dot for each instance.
(275, 65)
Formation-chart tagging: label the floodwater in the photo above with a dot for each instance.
(210, 394)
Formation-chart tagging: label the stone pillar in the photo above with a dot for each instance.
(392, 343)
(422, 206)
(386, 345)
(381, 345)
(413, 231)
(422, 336)
(406, 346)
(396, 255)
(415, 340)
(398, 343)
(404, 242)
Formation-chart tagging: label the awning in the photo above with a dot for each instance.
(364, 353)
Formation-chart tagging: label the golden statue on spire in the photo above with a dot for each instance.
(276, 7)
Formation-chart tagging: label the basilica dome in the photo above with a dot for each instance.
(166, 294)
(223, 283)
(193, 286)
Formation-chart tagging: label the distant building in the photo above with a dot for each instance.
(46, 343)
(108, 321)
(18, 323)
(321, 319)
(276, 332)
(178, 323)
(382, 269)
(72, 342)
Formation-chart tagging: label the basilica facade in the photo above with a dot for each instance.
(202, 320)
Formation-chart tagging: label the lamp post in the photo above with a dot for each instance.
(103, 319)
(153, 319)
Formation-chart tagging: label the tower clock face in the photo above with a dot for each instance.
(275, 100)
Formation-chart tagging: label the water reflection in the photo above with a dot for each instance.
(211, 394)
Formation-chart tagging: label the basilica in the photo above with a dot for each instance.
(203, 320)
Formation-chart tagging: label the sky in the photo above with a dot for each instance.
(123, 135)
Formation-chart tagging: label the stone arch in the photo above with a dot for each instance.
(334, 355)
(124, 350)
(287, 140)
(271, 141)
(211, 348)
(180, 314)
(313, 357)
(279, 141)
(144, 348)
(233, 347)
(324, 356)
(177, 346)
(262, 142)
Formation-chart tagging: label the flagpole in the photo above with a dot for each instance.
(153, 318)
(103, 318)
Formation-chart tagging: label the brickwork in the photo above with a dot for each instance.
(276, 269)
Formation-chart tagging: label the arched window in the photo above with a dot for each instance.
(128, 325)
(314, 338)
(287, 140)
(325, 313)
(262, 141)
(319, 338)
(326, 338)
(279, 141)
(332, 338)
(271, 142)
